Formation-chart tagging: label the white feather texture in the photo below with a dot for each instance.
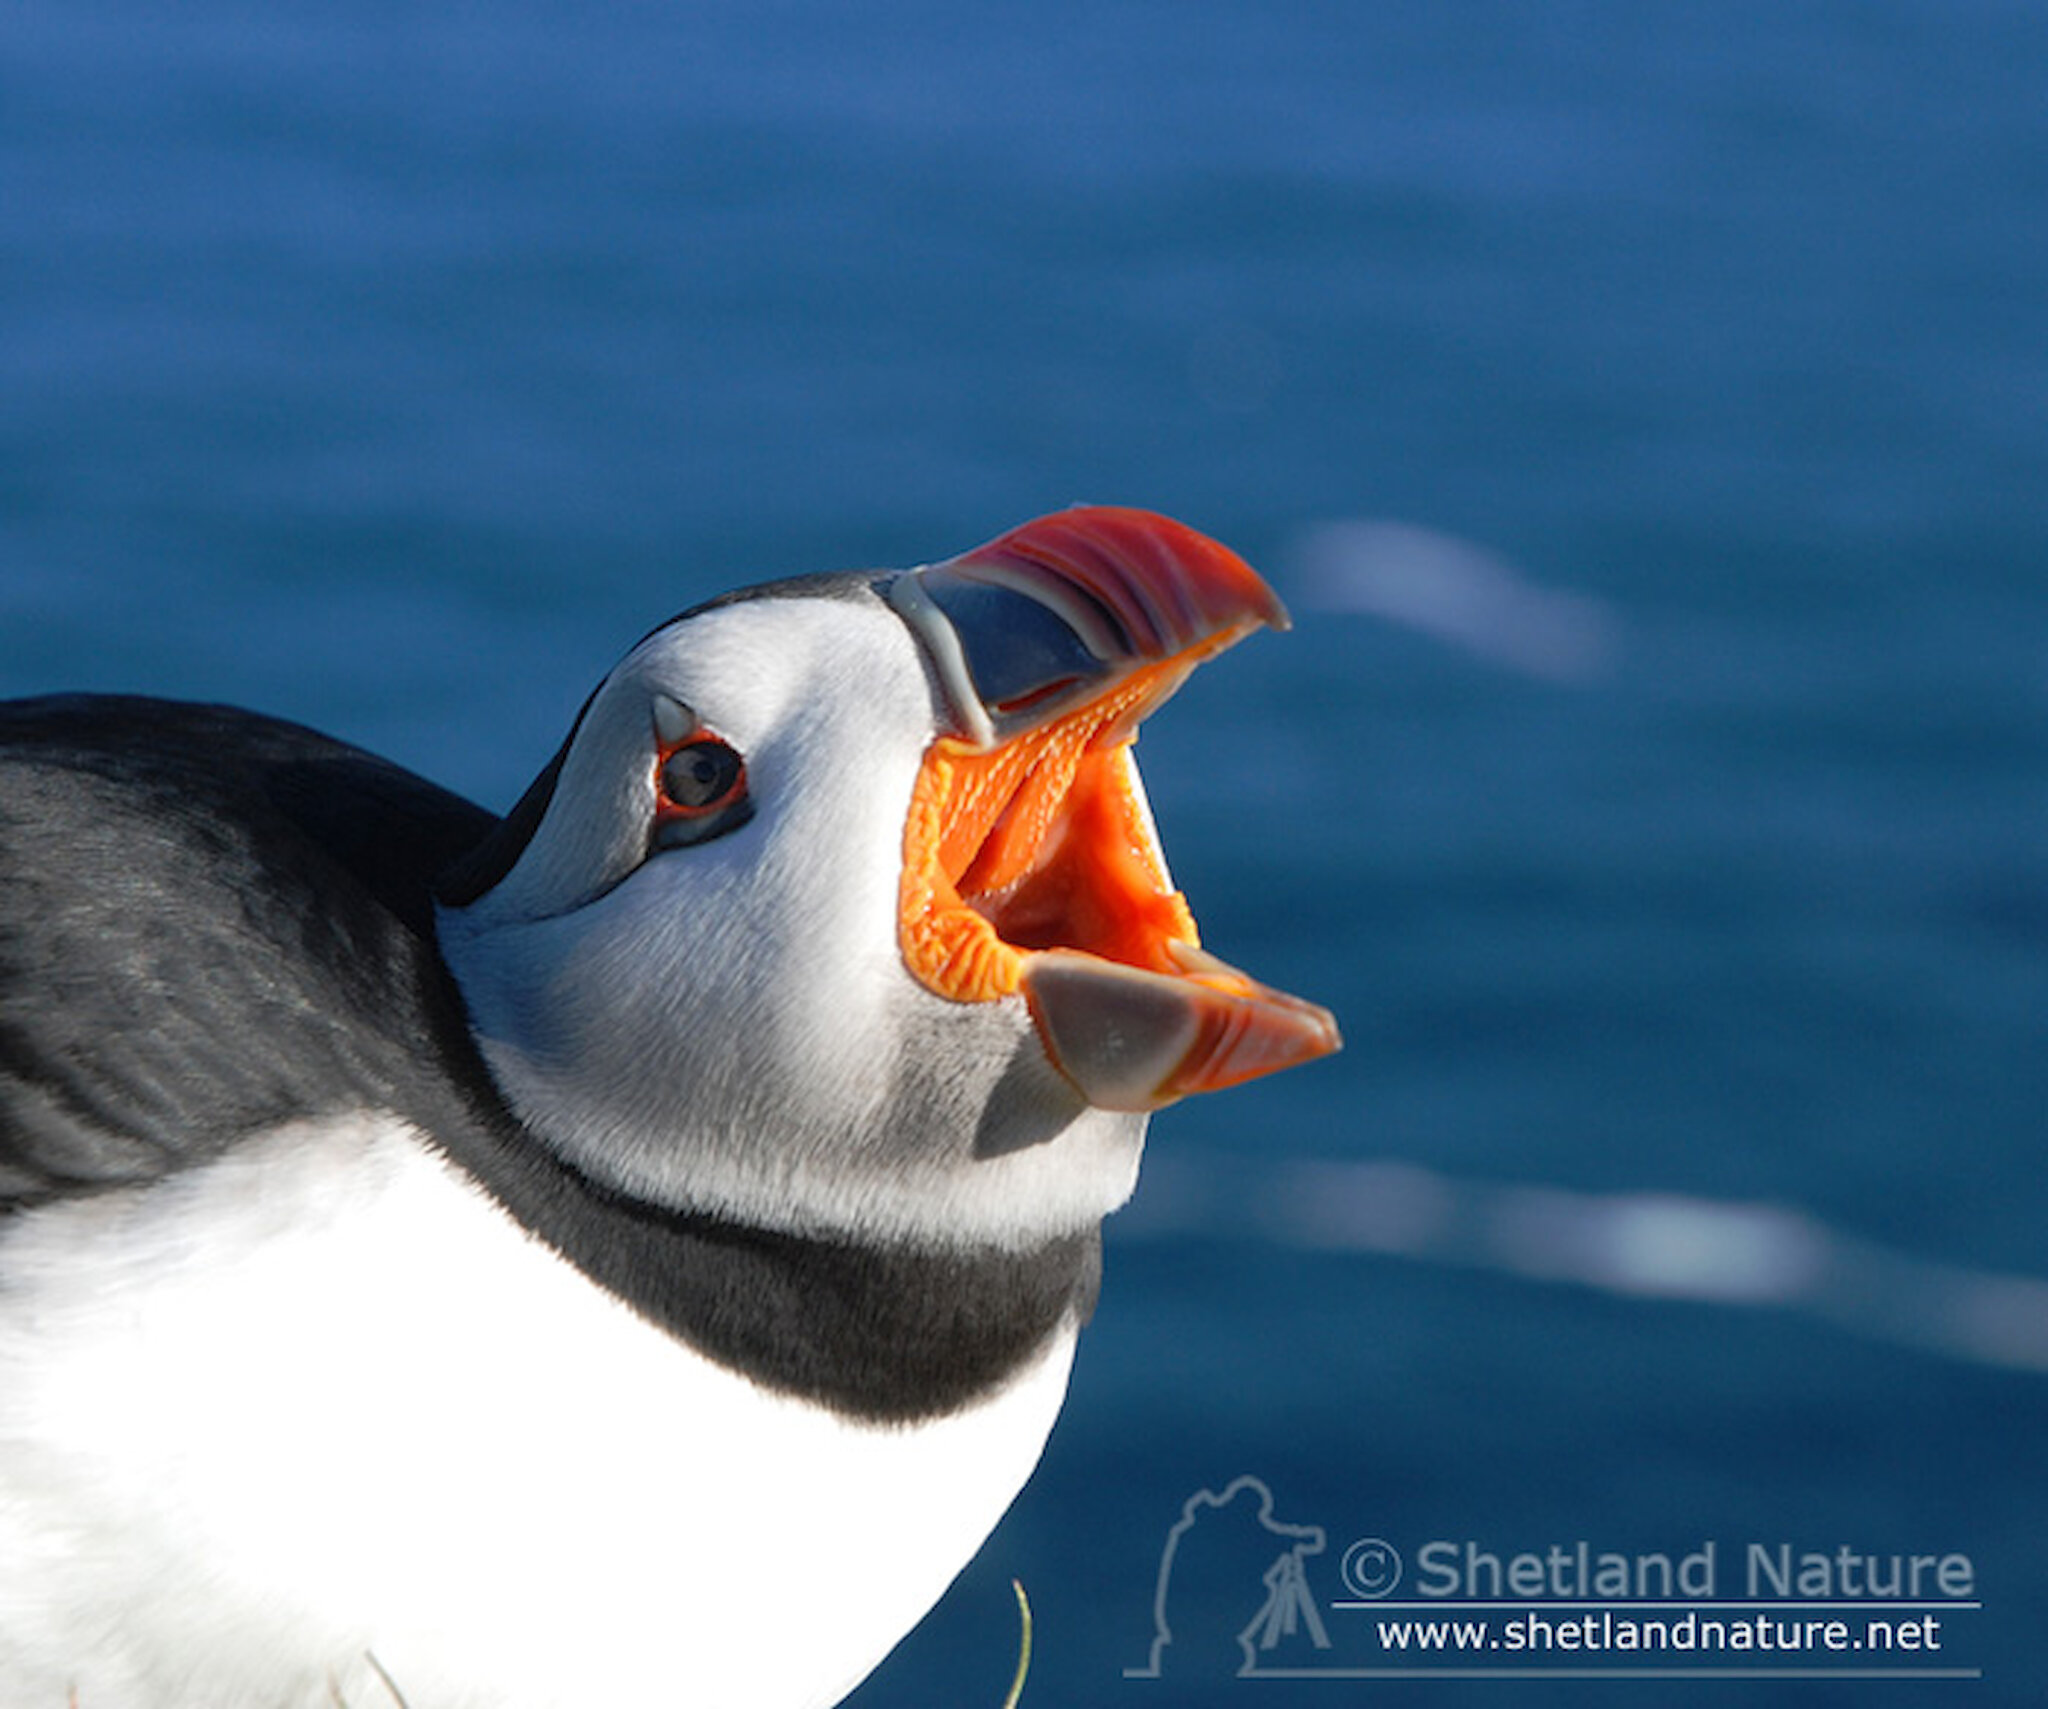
(730, 1026)
(325, 1415)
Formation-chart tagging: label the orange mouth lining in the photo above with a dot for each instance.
(1040, 843)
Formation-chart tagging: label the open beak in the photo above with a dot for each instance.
(1030, 861)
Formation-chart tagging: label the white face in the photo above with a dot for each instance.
(728, 1025)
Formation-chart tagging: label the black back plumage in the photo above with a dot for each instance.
(213, 923)
(210, 923)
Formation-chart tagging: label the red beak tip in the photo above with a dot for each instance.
(1130, 1039)
(1166, 585)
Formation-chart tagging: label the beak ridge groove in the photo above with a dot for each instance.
(1058, 609)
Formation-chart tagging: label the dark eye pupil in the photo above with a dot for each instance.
(698, 775)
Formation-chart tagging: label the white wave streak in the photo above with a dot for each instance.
(1453, 589)
(1651, 1245)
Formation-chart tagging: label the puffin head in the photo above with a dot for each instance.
(841, 911)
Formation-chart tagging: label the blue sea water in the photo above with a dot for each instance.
(1645, 410)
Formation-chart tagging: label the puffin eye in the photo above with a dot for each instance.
(701, 793)
(701, 777)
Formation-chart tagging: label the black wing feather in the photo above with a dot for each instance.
(210, 922)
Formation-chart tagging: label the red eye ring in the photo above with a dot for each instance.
(698, 778)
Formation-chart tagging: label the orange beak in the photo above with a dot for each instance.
(1030, 863)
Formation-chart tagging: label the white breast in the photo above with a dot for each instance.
(334, 1418)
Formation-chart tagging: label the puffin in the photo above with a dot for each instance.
(626, 1252)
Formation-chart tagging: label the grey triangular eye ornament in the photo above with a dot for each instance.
(1031, 865)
